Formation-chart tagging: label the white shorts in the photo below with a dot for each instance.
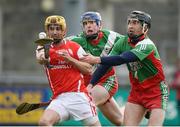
(73, 105)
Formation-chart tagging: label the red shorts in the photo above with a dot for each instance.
(110, 84)
(153, 97)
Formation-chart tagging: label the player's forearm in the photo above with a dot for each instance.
(107, 62)
(123, 58)
(100, 71)
(84, 67)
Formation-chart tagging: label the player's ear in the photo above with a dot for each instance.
(145, 29)
(100, 25)
(64, 32)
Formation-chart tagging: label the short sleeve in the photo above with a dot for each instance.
(81, 52)
(143, 49)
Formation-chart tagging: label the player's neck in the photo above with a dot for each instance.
(98, 38)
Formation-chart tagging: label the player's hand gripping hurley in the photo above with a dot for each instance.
(45, 42)
(27, 107)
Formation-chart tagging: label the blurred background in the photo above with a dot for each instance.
(22, 79)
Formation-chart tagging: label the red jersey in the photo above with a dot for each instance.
(63, 76)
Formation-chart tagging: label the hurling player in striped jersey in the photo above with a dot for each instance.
(99, 42)
(149, 90)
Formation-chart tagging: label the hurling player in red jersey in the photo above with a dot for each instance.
(70, 97)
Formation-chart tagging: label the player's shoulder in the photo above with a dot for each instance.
(77, 38)
(71, 43)
(70, 37)
(106, 31)
(123, 39)
(146, 44)
(111, 33)
(146, 41)
(74, 37)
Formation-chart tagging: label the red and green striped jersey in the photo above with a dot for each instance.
(99, 47)
(148, 70)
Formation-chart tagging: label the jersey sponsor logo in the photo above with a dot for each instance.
(62, 65)
(61, 62)
(134, 66)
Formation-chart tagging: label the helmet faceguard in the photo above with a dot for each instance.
(55, 19)
(142, 17)
(91, 16)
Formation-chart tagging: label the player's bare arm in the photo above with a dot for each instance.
(84, 67)
(91, 59)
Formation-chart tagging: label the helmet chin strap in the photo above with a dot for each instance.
(136, 38)
(92, 37)
(56, 41)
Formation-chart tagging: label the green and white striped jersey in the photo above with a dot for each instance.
(103, 46)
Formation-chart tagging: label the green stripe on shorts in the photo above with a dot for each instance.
(165, 94)
(109, 83)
